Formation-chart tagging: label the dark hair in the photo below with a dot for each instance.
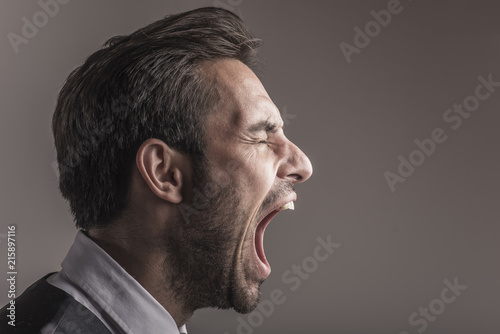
(148, 84)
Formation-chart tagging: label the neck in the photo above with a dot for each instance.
(144, 259)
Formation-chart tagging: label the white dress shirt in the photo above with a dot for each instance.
(99, 283)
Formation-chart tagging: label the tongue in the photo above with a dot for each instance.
(264, 266)
(259, 243)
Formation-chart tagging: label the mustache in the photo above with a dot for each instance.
(282, 189)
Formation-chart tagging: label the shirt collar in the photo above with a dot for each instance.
(116, 292)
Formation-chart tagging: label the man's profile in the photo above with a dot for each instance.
(173, 160)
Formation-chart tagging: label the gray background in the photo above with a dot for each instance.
(353, 120)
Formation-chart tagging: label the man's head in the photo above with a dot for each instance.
(168, 136)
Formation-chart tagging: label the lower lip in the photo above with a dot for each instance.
(263, 267)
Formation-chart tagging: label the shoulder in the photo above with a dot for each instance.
(44, 308)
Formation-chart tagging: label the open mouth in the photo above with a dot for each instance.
(263, 267)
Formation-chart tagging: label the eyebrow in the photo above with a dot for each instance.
(263, 126)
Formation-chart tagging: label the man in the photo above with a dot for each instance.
(173, 160)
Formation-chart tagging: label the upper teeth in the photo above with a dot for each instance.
(288, 205)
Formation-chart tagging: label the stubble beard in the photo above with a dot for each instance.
(202, 265)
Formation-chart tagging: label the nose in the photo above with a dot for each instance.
(296, 166)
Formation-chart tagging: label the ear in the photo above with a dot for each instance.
(164, 169)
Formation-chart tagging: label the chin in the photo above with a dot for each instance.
(246, 296)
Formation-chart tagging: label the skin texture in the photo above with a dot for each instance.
(207, 257)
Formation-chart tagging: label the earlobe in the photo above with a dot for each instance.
(163, 169)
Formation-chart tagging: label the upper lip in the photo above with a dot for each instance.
(278, 204)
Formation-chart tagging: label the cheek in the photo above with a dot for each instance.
(259, 180)
(251, 171)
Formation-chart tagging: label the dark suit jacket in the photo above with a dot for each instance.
(43, 303)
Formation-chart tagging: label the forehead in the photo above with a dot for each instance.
(243, 98)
